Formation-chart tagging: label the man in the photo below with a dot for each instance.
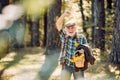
(69, 39)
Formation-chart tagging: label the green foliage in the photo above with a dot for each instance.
(109, 28)
(36, 7)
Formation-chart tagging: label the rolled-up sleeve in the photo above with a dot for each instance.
(62, 34)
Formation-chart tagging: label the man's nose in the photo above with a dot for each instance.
(70, 29)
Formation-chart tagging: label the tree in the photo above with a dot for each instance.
(115, 50)
(35, 32)
(93, 27)
(83, 17)
(109, 4)
(45, 29)
(30, 23)
(0, 7)
(99, 32)
(53, 40)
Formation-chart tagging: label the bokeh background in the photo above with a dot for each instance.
(30, 45)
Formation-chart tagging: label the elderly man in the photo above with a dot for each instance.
(70, 39)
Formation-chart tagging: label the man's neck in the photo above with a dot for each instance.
(73, 36)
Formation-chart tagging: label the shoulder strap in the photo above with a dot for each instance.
(64, 46)
(79, 39)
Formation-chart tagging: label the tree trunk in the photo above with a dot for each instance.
(30, 23)
(109, 4)
(99, 33)
(45, 29)
(53, 40)
(93, 27)
(115, 51)
(83, 17)
(0, 7)
(35, 32)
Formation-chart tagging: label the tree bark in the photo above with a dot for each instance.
(109, 4)
(99, 33)
(53, 40)
(0, 7)
(115, 50)
(35, 32)
(30, 23)
(93, 26)
(45, 29)
(83, 17)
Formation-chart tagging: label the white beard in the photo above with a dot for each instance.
(71, 34)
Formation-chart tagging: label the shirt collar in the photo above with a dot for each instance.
(74, 37)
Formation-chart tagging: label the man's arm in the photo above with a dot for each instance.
(60, 20)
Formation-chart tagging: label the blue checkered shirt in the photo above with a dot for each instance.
(70, 45)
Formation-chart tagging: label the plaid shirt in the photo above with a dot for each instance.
(68, 45)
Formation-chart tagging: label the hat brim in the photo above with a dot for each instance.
(69, 24)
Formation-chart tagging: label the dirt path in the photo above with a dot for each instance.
(31, 64)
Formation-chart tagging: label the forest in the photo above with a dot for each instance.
(30, 44)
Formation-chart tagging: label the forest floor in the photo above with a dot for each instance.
(32, 64)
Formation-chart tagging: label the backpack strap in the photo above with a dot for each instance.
(63, 52)
(65, 45)
(79, 39)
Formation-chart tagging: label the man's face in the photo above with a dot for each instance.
(70, 31)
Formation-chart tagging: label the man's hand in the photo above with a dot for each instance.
(59, 22)
(80, 51)
(66, 13)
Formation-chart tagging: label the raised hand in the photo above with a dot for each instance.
(67, 13)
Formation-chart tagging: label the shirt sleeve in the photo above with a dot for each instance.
(62, 34)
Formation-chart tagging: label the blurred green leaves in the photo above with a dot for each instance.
(36, 7)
